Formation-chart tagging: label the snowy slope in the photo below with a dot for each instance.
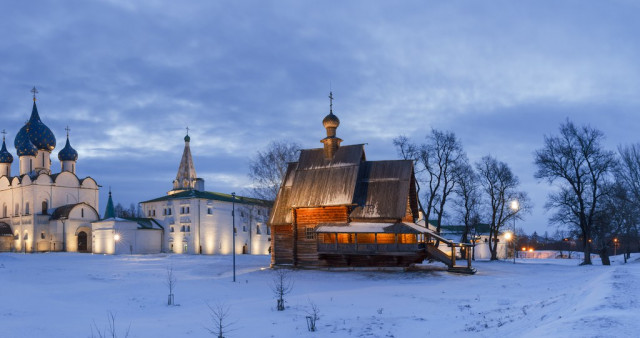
(63, 294)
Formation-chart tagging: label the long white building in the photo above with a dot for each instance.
(42, 210)
(196, 221)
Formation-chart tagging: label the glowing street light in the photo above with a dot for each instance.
(515, 207)
(116, 237)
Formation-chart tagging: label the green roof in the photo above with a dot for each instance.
(144, 223)
(110, 211)
(481, 228)
(207, 195)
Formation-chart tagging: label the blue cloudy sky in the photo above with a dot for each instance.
(128, 77)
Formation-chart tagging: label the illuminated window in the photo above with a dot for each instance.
(346, 238)
(329, 238)
(407, 238)
(309, 233)
(386, 238)
(366, 238)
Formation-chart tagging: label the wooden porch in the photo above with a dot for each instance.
(379, 244)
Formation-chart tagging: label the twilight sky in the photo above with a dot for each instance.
(129, 77)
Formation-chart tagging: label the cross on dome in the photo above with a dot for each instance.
(34, 91)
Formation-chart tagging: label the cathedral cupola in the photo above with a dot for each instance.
(39, 134)
(68, 156)
(331, 123)
(41, 137)
(27, 152)
(23, 144)
(5, 159)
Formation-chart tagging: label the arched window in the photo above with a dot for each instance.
(171, 229)
(182, 229)
(188, 228)
(45, 206)
(26, 208)
(17, 210)
(82, 212)
(4, 210)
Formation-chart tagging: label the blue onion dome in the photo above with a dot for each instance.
(5, 156)
(187, 138)
(67, 153)
(40, 135)
(23, 145)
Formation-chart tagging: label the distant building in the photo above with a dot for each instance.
(126, 235)
(479, 236)
(43, 211)
(196, 221)
(335, 208)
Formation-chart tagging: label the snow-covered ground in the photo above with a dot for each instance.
(64, 294)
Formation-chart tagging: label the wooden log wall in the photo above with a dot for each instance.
(306, 249)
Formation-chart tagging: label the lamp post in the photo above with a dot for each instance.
(515, 206)
(233, 231)
(615, 246)
(64, 234)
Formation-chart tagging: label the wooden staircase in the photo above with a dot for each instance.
(449, 259)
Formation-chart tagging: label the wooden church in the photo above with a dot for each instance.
(336, 209)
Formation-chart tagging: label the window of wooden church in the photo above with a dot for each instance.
(346, 238)
(386, 238)
(328, 238)
(309, 233)
(366, 238)
(407, 238)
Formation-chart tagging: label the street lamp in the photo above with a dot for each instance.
(64, 234)
(515, 206)
(233, 231)
(615, 246)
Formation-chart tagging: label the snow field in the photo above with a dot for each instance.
(64, 294)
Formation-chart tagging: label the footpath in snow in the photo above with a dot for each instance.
(66, 294)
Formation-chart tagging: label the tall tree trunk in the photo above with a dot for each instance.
(604, 256)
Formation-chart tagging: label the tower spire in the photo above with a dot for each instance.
(110, 211)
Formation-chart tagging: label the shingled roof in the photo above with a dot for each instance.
(375, 189)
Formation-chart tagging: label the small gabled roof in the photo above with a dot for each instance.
(145, 223)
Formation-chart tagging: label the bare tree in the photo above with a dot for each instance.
(468, 199)
(109, 331)
(268, 167)
(313, 314)
(436, 164)
(410, 151)
(171, 281)
(499, 185)
(281, 285)
(577, 164)
(220, 318)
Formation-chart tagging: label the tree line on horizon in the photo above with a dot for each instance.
(595, 196)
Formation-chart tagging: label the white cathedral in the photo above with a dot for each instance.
(196, 221)
(43, 211)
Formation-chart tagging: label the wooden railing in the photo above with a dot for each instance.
(369, 248)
